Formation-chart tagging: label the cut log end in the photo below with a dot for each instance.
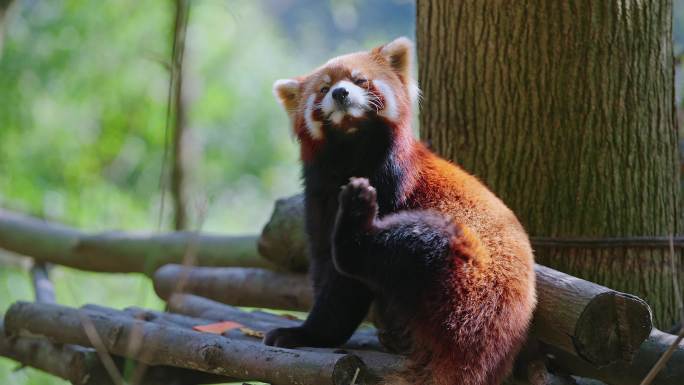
(349, 369)
(612, 327)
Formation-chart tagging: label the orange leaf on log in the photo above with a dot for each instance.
(219, 327)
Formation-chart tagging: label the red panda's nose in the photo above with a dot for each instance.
(340, 95)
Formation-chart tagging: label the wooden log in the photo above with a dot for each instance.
(237, 286)
(283, 239)
(379, 364)
(587, 320)
(632, 373)
(539, 375)
(363, 339)
(76, 364)
(165, 345)
(121, 252)
(81, 366)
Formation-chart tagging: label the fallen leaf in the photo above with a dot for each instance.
(218, 328)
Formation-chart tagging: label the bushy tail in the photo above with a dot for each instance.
(470, 332)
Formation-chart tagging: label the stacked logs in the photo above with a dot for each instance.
(579, 328)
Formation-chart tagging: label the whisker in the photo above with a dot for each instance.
(375, 105)
(378, 102)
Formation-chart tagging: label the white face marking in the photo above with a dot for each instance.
(358, 102)
(356, 74)
(313, 126)
(326, 79)
(390, 111)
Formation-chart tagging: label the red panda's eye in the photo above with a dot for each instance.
(324, 90)
(360, 81)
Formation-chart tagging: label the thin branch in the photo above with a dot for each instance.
(628, 373)
(662, 361)
(4, 10)
(95, 341)
(178, 187)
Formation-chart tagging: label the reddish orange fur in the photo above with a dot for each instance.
(470, 335)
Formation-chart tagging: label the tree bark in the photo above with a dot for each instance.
(565, 110)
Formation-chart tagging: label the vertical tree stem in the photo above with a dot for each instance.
(178, 187)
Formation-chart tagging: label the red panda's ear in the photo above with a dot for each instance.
(287, 93)
(399, 54)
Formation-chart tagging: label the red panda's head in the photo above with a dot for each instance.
(350, 91)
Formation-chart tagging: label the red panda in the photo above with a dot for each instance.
(447, 264)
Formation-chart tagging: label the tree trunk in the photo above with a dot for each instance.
(565, 110)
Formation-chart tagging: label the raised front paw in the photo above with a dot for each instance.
(358, 200)
(287, 337)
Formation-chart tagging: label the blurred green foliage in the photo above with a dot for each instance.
(83, 122)
(83, 90)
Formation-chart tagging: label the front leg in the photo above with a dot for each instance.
(340, 305)
(399, 254)
(357, 211)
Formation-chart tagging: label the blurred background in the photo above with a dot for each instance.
(83, 105)
(83, 99)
